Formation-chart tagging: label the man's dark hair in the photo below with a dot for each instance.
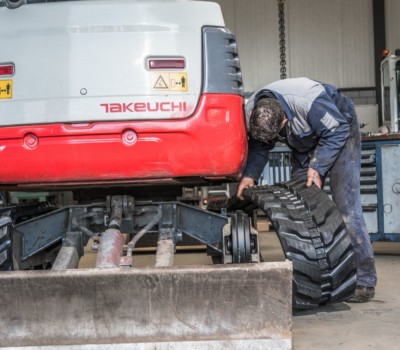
(266, 119)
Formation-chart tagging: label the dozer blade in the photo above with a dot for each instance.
(244, 306)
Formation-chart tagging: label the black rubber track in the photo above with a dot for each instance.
(314, 237)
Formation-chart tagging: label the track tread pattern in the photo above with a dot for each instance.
(314, 237)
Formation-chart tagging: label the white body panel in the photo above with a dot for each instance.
(76, 60)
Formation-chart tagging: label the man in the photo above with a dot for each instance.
(321, 127)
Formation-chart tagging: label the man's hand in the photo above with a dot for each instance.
(246, 182)
(313, 177)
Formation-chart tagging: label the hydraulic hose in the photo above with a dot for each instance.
(83, 229)
(144, 230)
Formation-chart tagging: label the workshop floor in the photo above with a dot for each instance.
(349, 326)
(344, 326)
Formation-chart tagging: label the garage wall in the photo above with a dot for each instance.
(255, 24)
(327, 40)
(332, 41)
(392, 14)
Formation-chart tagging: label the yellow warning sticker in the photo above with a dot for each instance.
(170, 82)
(5, 89)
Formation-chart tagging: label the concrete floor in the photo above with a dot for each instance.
(349, 326)
(344, 326)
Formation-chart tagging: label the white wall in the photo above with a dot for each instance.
(368, 114)
(332, 41)
(328, 40)
(255, 24)
(392, 14)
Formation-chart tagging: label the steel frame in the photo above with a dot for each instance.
(39, 234)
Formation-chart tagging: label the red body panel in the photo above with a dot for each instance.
(212, 143)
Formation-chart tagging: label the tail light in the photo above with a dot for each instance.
(166, 63)
(6, 70)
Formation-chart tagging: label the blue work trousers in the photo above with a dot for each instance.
(345, 186)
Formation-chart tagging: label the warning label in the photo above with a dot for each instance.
(170, 81)
(5, 89)
(160, 83)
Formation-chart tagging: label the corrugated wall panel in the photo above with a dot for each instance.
(314, 39)
(331, 41)
(392, 13)
(228, 8)
(255, 24)
(258, 40)
(357, 44)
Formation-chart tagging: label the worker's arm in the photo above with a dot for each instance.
(257, 159)
(333, 129)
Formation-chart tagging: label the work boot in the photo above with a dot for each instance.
(362, 295)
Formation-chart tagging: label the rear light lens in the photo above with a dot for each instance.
(163, 63)
(6, 69)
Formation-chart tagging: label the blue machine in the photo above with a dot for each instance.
(380, 187)
(380, 183)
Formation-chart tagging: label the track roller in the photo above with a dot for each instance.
(240, 240)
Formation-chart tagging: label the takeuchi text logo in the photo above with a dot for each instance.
(138, 107)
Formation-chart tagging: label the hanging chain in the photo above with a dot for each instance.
(282, 41)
